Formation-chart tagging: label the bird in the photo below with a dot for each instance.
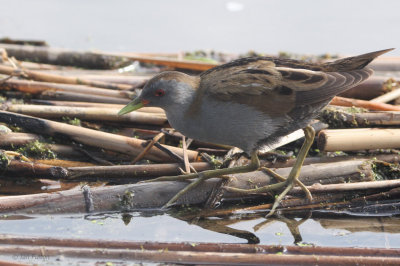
(250, 103)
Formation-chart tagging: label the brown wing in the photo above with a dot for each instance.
(277, 86)
(272, 89)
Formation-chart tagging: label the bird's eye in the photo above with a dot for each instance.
(159, 92)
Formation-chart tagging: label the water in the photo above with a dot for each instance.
(314, 27)
(382, 232)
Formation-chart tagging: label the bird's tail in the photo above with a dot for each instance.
(354, 62)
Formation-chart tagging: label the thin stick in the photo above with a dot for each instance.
(172, 154)
(87, 113)
(181, 64)
(129, 171)
(148, 147)
(36, 87)
(390, 96)
(341, 101)
(185, 158)
(40, 76)
(91, 104)
(57, 56)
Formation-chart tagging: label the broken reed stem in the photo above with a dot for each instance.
(341, 101)
(82, 97)
(390, 158)
(36, 87)
(358, 139)
(340, 117)
(185, 158)
(41, 76)
(390, 96)
(344, 187)
(87, 113)
(92, 104)
(174, 63)
(35, 170)
(17, 139)
(148, 147)
(324, 173)
(129, 171)
(57, 56)
(90, 137)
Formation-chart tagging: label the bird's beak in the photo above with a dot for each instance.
(137, 103)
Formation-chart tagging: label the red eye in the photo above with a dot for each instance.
(159, 92)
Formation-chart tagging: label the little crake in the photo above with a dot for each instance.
(251, 102)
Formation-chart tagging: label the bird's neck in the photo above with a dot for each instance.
(182, 99)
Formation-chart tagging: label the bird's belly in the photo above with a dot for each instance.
(226, 123)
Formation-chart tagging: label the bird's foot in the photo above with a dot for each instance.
(286, 184)
(219, 173)
(292, 179)
(199, 178)
(172, 178)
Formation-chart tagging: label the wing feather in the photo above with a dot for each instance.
(278, 86)
(274, 90)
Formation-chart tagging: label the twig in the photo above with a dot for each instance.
(17, 139)
(92, 157)
(185, 158)
(390, 96)
(172, 154)
(364, 104)
(87, 113)
(128, 171)
(4, 80)
(36, 87)
(339, 117)
(82, 97)
(35, 170)
(180, 64)
(148, 147)
(49, 55)
(40, 76)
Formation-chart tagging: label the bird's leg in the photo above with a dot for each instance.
(254, 165)
(309, 134)
(283, 179)
(292, 178)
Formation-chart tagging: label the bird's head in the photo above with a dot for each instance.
(163, 90)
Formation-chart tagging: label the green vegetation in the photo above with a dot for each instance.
(37, 149)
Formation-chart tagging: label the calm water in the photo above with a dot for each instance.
(383, 232)
(341, 26)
